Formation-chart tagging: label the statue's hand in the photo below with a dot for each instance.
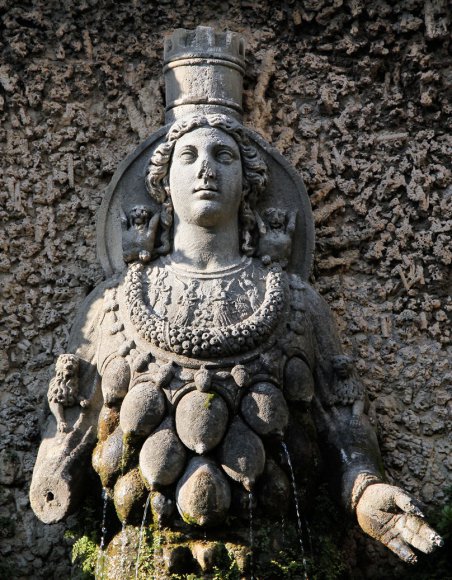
(390, 516)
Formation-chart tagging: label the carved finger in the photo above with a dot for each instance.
(417, 541)
(416, 532)
(429, 534)
(430, 537)
(407, 504)
(403, 551)
(409, 522)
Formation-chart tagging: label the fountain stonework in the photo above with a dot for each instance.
(204, 379)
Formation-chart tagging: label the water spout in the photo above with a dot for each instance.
(101, 556)
(297, 507)
(250, 505)
(140, 540)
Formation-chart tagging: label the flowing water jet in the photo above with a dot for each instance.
(101, 556)
(250, 505)
(140, 540)
(123, 545)
(297, 508)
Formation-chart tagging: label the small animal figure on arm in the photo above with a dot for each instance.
(349, 390)
(276, 231)
(63, 389)
(139, 231)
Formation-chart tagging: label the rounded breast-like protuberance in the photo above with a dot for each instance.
(298, 380)
(265, 409)
(142, 410)
(107, 423)
(201, 420)
(115, 381)
(108, 457)
(129, 495)
(203, 494)
(242, 454)
(162, 457)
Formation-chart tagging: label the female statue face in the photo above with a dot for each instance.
(205, 178)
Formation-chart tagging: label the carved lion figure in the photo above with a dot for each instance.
(64, 389)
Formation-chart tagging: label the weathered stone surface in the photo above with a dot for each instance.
(115, 381)
(298, 381)
(242, 454)
(274, 489)
(265, 409)
(108, 459)
(203, 495)
(207, 554)
(129, 496)
(108, 421)
(142, 410)
(201, 420)
(355, 96)
(162, 457)
(162, 507)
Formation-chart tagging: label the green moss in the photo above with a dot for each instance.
(189, 519)
(85, 538)
(276, 552)
(209, 398)
(130, 448)
(85, 553)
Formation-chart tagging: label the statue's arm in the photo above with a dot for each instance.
(383, 511)
(351, 448)
(62, 463)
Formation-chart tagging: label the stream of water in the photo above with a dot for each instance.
(140, 538)
(250, 505)
(297, 507)
(123, 545)
(101, 556)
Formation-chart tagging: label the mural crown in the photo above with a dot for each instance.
(203, 72)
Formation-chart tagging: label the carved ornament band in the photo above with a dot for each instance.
(229, 62)
(206, 342)
(193, 100)
(362, 482)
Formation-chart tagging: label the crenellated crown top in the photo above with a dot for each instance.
(204, 42)
(203, 72)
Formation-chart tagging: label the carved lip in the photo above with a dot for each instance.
(206, 193)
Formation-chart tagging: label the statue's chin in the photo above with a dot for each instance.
(209, 213)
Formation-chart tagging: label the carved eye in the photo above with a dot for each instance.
(225, 156)
(187, 155)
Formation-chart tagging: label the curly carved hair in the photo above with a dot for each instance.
(255, 174)
(63, 388)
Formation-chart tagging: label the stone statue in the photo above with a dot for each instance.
(206, 353)
(63, 389)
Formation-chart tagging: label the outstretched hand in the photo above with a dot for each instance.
(390, 516)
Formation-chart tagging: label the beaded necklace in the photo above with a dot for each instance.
(205, 342)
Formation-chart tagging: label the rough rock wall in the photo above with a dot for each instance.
(354, 93)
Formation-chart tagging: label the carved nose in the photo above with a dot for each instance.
(206, 171)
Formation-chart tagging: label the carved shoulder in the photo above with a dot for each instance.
(83, 337)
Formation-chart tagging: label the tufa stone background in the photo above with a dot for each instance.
(353, 93)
